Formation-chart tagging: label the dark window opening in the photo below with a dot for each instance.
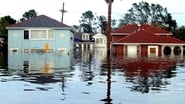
(26, 34)
(167, 50)
(177, 50)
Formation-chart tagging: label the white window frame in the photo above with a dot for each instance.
(47, 34)
(85, 36)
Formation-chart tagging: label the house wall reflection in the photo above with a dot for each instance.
(38, 62)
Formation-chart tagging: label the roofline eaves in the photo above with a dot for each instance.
(38, 27)
(148, 44)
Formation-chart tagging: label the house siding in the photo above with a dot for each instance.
(63, 39)
(151, 42)
(119, 50)
(14, 38)
(160, 50)
(100, 41)
(144, 51)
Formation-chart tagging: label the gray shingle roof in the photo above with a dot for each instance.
(40, 21)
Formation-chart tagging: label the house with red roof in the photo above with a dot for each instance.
(135, 41)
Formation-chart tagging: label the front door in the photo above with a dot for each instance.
(152, 51)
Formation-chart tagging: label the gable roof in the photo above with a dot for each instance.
(144, 36)
(39, 21)
(131, 28)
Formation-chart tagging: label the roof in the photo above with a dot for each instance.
(98, 35)
(131, 28)
(126, 29)
(144, 36)
(39, 21)
(157, 30)
(78, 37)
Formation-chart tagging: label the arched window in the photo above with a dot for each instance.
(167, 50)
(177, 50)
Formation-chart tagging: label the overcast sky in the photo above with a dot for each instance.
(75, 8)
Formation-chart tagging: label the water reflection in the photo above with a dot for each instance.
(108, 99)
(147, 73)
(3, 60)
(38, 62)
(39, 67)
(89, 61)
(88, 77)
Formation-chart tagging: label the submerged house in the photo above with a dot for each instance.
(83, 40)
(90, 40)
(40, 34)
(135, 41)
(100, 40)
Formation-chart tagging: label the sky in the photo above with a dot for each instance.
(75, 8)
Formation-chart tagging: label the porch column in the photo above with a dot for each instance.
(181, 50)
(172, 53)
(91, 46)
(82, 46)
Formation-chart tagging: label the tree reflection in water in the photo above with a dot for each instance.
(146, 73)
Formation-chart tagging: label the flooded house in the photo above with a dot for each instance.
(40, 34)
(100, 40)
(83, 40)
(135, 41)
(90, 40)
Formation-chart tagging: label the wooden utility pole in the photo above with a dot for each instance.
(62, 11)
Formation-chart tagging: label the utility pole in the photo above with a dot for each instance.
(62, 11)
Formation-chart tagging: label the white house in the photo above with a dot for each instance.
(100, 40)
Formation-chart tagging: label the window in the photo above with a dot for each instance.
(26, 50)
(85, 37)
(26, 34)
(153, 50)
(177, 50)
(14, 50)
(42, 34)
(167, 50)
(38, 34)
(61, 35)
(51, 34)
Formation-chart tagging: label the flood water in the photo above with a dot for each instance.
(83, 78)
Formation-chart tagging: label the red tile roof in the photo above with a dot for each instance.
(144, 36)
(126, 29)
(157, 30)
(134, 27)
